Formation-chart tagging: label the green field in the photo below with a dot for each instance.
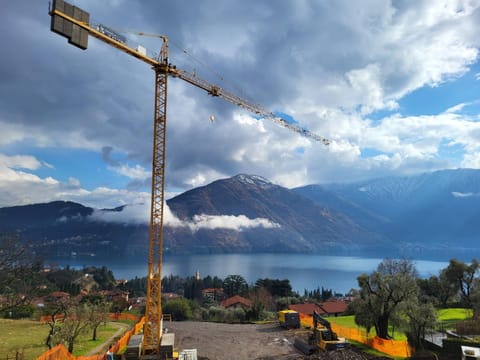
(28, 336)
(454, 314)
(22, 335)
(450, 315)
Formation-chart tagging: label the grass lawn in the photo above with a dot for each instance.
(454, 314)
(22, 335)
(29, 336)
(349, 321)
(85, 342)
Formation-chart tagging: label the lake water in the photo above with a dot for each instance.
(338, 273)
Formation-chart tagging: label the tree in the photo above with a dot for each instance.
(437, 289)
(56, 310)
(19, 273)
(103, 276)
(363, 316)
(234, 285)
(74, 324)
(461, 276)
(382, 292)
(421, 318)
(179, 309)
(97, 311)
(276, 287)
(261, 300)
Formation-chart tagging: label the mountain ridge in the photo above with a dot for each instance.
(248, 213)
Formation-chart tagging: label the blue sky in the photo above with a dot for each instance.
(395, 86)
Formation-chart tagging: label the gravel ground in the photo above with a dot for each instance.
(215, 341)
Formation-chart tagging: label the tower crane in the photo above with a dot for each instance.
(73, 23)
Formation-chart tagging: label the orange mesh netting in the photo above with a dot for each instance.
(59, 352)
(390, 347)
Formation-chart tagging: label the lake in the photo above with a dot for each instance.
(305, 271)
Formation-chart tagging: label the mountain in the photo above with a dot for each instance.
(398, 216)
(428, 212)
(298, 224)
(64, 228)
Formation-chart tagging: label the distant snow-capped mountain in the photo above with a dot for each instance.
(435, 210)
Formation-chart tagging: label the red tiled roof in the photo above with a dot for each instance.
(306, 308)
(334, 306)
(59, 294)
(330, 307)
(236, 300)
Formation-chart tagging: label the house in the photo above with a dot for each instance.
(306, 308)
(331, 307)
(213, 294)
(114, 295)
(236, 302)
(170, 295)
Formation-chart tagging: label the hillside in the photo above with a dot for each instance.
(428, 212)
(64, 228)
(402, 216)
(301, 225)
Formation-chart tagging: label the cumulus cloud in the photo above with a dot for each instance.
(131, 213)
(230, 222)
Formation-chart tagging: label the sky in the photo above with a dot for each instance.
(394, 86)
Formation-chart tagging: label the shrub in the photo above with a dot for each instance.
(20, 312)
(179, 309)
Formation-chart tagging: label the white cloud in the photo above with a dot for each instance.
(136, 172)
(230, 222)
(140, 213)
(464, 195)
(472, 160)
(456, 108)
(132, 213)
(19, 162)
(329, 64)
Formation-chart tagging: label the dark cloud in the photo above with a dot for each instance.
(307, 58)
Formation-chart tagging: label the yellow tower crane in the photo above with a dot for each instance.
(73, 23)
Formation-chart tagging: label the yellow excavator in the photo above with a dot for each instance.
(322, 338)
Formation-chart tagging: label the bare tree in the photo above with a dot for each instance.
(18, 270)
(96, 315)
(75, 323)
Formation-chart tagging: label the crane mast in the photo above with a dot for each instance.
(73, 23)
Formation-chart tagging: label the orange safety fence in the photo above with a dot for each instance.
(59, 352)
(122, 316)
(391, 347)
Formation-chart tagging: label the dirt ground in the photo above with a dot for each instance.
(215, 341)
